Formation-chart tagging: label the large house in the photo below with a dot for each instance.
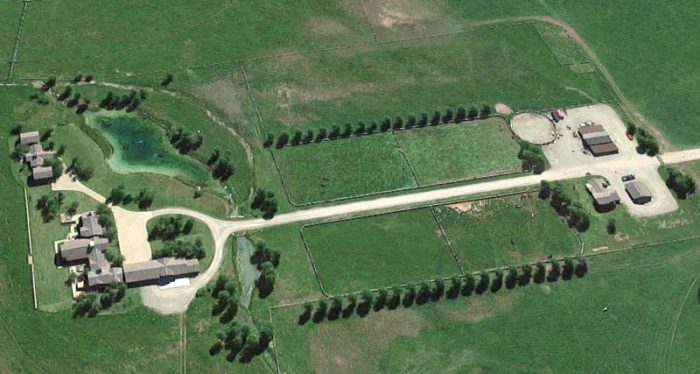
(37, 156)
(89, 248)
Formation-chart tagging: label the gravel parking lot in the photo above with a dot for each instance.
(568, 150)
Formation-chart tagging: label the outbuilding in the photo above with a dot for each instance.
(30, 137)
(638, 192)
(42, 173)
(604, 198)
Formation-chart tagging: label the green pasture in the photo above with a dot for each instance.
(511, 65)
(468, 150)
(343, 168)
(504, 232)
(379, 251)
(555, 327)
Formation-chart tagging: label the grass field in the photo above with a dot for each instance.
(510, 65)
(343, 168)
(449, 153)
(505, 232)
(379, 251)
(554, 326)
(385, 162)
(126, 38)
(199, 231)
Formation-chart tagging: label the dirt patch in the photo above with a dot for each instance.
(405, 18)
(464, 207)
(621, 237)
(479, 308)
(327, 26)
(533, 127)
(345, 348)
(226, 95)
(600, 249)
(503, 108)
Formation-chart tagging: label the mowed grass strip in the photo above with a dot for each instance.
(379, 251)
(509, 231)
(557, 327)
(457, 152)
(343, 168)
(510, 65)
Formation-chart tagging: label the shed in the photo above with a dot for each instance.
(602, 195)
(604, 149)
(30, 137)
(638, 192)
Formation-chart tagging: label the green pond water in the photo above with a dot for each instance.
(141, 146)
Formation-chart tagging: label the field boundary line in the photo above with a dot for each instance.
(676, 319)
(405, 158)
(15, 49)
(31, 252)
(313, 264)
(449, 243)
(371, 28)
(261, 125)
(641, 246)
(274, 341)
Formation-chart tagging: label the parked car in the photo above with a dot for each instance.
(561, 113)
(555, 116)
(628, 177)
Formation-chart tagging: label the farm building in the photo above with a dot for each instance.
(160, 271)
(603, 197)
(90, 226)
(597, 140)
(42, 173)
(30, 137)
(638, 192)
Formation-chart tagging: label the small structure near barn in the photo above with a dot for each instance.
(36, 157)
(638, 192)
(597, 140)
(604, 198)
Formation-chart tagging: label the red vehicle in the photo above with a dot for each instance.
(630, 136)
(561, 113)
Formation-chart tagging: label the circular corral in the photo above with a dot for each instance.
(533, 127)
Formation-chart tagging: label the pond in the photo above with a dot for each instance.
(142, 146)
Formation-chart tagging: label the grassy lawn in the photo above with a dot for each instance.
(343, 168)
(179, 34)
(199, 231)
(52, 292)
(510, 65)
(379, 251)
(9, 23)
(508, 231)
(554, 326)
(448, 153)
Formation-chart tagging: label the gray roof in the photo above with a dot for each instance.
(104, 277)
(80, 249)
(30, 137)
(598, 139)
(37, 155)
(601, 194)
(90, 226)
(637, 190)
(163, 267)
(42, 172)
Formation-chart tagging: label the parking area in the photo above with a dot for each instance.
(568, 150)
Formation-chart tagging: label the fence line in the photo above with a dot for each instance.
(15, 49)
(31, 251)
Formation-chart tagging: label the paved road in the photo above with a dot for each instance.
(176, 300)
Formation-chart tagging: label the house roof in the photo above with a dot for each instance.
(104, 277)
(30, 137)
(604, 149)
(42, 172)
(637, 190)
(90, 226)
(162, 267)
(601, 194)
(80, 249)
(590, 129)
